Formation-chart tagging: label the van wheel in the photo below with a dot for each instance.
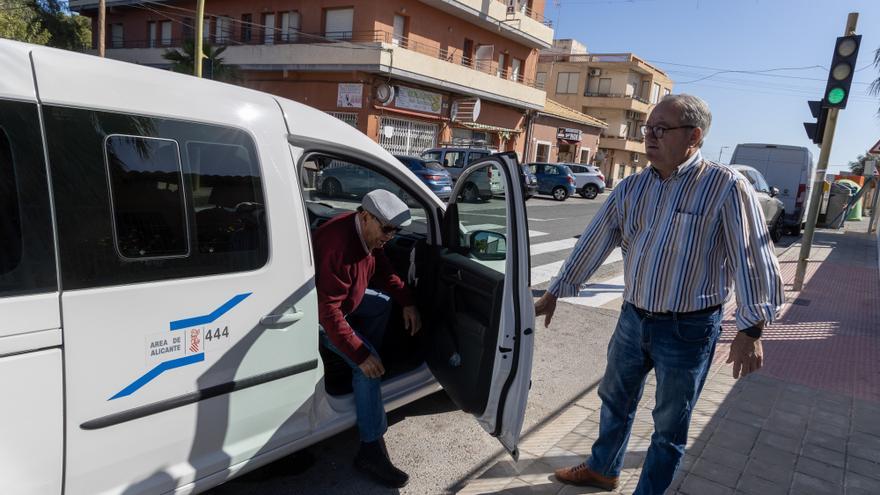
(470, 194)
(777, 229)
(589, 191)
(560, 193)
(332, 188)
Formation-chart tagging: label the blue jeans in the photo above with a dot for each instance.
(680, 351)
(368, 321)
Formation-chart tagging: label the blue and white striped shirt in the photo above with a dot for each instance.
(685, 240)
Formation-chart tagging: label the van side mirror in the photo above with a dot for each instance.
(774, 191)
(486, 245)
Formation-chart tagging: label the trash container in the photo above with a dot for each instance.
(838, 200)
(856, 212)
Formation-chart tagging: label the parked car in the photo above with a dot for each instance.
(529, 182)
(588, 180)
(163, 212)
(790, 168)
(431, 173)
(554, 179)
(458, 159)
(774, 209)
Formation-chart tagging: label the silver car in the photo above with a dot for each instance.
(774, 210)
(589, 180)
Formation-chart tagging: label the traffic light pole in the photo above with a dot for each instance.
(819, 179)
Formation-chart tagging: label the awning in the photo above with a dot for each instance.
(485, 127)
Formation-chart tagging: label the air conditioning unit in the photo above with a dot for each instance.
(595, 72)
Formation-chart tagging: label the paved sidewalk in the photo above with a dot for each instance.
(808, 423)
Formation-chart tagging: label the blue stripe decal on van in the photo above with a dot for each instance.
(209, 318)
(158, 370)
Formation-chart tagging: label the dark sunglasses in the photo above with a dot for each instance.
(386, 229)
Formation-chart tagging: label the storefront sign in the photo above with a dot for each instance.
(568, 134)
(418, 100)
(350, 95)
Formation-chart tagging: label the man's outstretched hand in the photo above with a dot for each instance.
(412, 320)
(746, 354)
(372, 367)
(546, 306)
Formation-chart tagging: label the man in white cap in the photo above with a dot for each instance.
(349, 256)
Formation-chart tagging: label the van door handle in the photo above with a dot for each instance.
(282, 320)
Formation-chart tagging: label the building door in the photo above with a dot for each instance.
(484, 57)
(289, 26)
(565, 154)
(467, 53)
(542, 152)
(269, 29)
(399, 35)
(406, 137)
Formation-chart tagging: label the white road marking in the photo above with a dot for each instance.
(596, 295)
(549, 247)
(536, 233)
(544, 273)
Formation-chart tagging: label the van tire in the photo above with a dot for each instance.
(560, 193)
(778, 228)
(589, 191)
(470, 193)
(332, 188)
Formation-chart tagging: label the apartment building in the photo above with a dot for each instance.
(411, 74)
(617, 88)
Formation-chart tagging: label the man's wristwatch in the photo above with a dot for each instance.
(754, 331)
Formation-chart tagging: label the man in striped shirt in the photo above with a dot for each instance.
(688, 229)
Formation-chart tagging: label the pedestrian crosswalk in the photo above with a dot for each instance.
(595, 294)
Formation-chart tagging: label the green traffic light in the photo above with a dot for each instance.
(836, 96)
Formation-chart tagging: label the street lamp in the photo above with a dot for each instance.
(722, 151)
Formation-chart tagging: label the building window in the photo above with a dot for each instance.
(655, 93)
(399, 34)
(605, 86)
(247, 28)
(338, 23)
(152, 34)
(516, 69)
(206, 29)
(166, 33)
(269, 29)
(146, 193)
(117, 36)
(349, 118)
(223, 30)
(542, 152)
(666, 92)
(290, 23)
(567, 83)
(585, 155)
(540, 79)
(188, 28)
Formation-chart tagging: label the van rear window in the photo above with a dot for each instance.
(10, 222)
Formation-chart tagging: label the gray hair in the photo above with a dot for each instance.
(694, 111)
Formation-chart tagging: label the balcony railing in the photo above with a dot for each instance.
(529, 12)
(614, 95)
(359, 38)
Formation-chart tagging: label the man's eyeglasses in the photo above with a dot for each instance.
(386, 229)
(658, 130)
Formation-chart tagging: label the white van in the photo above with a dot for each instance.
(788, 168)
(158, 312)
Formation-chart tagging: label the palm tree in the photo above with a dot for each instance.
(215, 68)
(874, 89)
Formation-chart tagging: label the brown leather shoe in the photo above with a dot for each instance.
(581, 475)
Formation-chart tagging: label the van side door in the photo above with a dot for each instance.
(31, 380)
(189, 307)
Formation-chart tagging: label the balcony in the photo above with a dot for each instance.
(522, 25)
(607, 61)
(626, 143)
(369, 51)
(616, 101)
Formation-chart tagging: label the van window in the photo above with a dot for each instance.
(27, 250)
(474, 156)
(147, 197)
(340, 186)
(174, 199)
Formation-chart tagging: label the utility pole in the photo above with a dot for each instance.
(721, 152)
(102, 26)
(822, 165)
(200, 38)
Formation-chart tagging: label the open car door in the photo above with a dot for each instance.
(481, 348)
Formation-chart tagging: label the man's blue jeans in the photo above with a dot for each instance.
(680, 351)
(368, 321)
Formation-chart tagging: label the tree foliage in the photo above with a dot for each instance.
(182, 61)
(874, 88)
(44, 22)
(858, 166)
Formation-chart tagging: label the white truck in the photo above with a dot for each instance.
(788, 168)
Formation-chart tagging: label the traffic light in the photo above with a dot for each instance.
(816, 130)
(843, 65)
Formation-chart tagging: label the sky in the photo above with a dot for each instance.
(692, 39)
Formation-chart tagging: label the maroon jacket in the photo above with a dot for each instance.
(342, 274)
